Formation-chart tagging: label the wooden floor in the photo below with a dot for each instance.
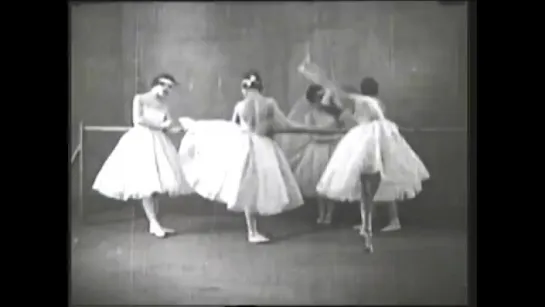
(115, 261)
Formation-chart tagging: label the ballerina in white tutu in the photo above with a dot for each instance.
(372, 161)
(394, 222)
(310, 159)
(144, 162)
(238, 163)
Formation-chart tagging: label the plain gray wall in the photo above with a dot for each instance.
(416, 50)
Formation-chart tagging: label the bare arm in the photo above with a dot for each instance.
(333, 93)
(236, 116)
(315, 74)
(281, 121)
(138, 117)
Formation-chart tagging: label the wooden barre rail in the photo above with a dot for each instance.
(107, 128)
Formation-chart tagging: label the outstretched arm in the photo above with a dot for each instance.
(138, 117)
(281, 121)
(283, 124)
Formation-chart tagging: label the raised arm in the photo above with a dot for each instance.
(333, 93)
(315, 74)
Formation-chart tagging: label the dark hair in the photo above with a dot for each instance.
(314, 93)
(252, 80)
(160, 76)
(369, 87)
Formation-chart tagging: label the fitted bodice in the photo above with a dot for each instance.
(322, 119)
(256, 114)
(367, 108)
(152, 110)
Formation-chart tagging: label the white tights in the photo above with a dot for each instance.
(151, 208)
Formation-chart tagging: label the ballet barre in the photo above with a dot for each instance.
(107, 128)
(79, 150)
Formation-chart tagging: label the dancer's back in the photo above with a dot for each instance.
(256, 113)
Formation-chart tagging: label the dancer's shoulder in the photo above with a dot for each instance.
(142, 97)
(270, 101)
(239, 104)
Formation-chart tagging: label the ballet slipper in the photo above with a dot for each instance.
(157, 231)
(392, 227)
(168, 230)
(367, 237)
(257, 238)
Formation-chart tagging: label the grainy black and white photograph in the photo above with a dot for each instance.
(269, 153)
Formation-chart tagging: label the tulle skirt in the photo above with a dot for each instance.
(309, 165)
(375, 147)
(246, 171)
(143, 163)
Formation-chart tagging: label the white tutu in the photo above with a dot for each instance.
(143, 163)
(369, 148)
(224, 163)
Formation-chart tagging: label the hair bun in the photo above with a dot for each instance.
(252, 80)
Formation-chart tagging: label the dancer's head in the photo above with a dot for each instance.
(162, 84)
(369, 87)
(314, 94)
(251, 81)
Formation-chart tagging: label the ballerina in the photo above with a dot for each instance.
(254, 176)
(310, 160)
(372, 154)
(394, 223)
(144, 162)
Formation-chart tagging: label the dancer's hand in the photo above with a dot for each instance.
(176, 129)
(166, 124)
(186, 122)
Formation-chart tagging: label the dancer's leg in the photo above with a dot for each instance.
(251, 223)
(149, 208)
(365, 214)
(321, 210)
(156, 207)
(369, 186)
(393, 216)
(330, 207)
